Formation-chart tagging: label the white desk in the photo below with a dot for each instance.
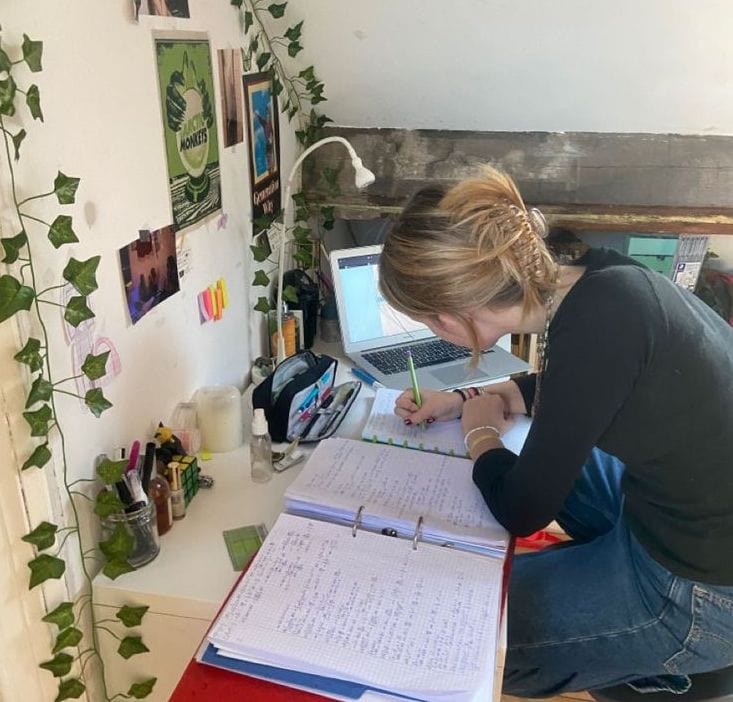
(187, 582)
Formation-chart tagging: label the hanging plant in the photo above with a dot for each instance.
(19, 295)
(298, 94)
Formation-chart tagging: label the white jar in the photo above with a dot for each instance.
(219, 415)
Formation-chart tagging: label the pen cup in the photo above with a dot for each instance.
(143, 528)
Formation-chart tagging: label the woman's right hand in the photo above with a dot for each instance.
(436, 406)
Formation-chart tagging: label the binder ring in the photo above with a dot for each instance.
(357, 520)
(416, 535)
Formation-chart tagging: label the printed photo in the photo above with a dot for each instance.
(149, 270)
(186, 85)
(263, 131)
(162, 8)
(230, 77)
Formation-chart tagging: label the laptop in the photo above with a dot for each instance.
(376, 337)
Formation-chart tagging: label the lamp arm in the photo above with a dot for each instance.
(287, 207)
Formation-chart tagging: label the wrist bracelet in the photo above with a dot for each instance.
(480, 441)
(475, 429)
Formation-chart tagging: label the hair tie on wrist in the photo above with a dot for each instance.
(461, 393)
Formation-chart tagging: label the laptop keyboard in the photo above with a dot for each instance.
(428, 353)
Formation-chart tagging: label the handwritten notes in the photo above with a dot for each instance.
(368, 609)
(396, 487)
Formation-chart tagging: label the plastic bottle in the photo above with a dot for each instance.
(159, 491)
(260, 449)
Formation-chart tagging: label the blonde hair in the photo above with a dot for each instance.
(473, 245)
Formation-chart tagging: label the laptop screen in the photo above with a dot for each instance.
(366, 319)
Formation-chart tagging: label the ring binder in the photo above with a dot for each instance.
(416, 535)
(357, 520)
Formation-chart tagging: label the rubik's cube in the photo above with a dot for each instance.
(189, 476)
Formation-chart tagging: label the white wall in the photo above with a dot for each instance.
(659, 66)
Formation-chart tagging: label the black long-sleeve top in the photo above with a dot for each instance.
(642, 369)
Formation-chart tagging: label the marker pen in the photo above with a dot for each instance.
(365, 377)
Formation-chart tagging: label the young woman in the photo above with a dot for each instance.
(630, 450)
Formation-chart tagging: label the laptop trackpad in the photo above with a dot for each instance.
(456, 375)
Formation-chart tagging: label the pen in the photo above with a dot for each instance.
(364, 376)
(148, 465)
(336, 413)
(413, 381)
(316, 415)
(134, 453)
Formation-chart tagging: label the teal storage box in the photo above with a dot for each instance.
(656, 253)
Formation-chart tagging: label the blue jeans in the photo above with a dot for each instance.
(602, 611)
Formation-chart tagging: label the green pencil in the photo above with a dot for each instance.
(413, 380)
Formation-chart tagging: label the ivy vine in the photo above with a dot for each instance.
(298, 94)
(19, 294)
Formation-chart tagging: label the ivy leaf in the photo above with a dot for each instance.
(141, 690)
(45, 567)
(301, 234)
(259, 253)
(70, 689)
(13, 297)
(30, 355)
(95, 367)
(96, 402)
(294, 48)
(292, 112)
(5, 62)
(302, 214)
(82, 274)
(12, 246)
(328, 217)
(65, 188)
(7, 96)
(39, 420)
(261, 278)
(263, 222)
(119, 544)
(254, 45)
(262, 305)
(70, 636)
(237, 3)
(299, 200)
(330, 175)
(111, 471)
(277, 10)
(294, 32)
(33, 100)
(32, 53)
(290, 294)
(131, 645)
(40, 391)
(59, 665)
(62, 616)
(77, 311)
(17, 141)
(61, 232)
(114, 568)
(131, 616)
(248, 20)
(107, 503)
(277, 86)
(262, 59)
(42, 537)
(307, 74)
(40, 456)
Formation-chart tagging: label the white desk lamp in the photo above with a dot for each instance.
(362, 178)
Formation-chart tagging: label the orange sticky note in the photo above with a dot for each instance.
(219, 302)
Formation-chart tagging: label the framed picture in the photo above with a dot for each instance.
(186, 83)
(230, 80)
(263, 131)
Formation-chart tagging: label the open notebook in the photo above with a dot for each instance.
(382, 578)
(384, 426)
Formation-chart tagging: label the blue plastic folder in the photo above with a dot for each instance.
(292, 678)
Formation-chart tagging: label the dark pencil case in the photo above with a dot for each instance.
(301, 400)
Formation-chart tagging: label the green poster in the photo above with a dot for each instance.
(191, 142)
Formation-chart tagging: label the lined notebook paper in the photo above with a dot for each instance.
(368, 609)
(385, 427)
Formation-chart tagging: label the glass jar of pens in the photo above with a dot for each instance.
(129, 514)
